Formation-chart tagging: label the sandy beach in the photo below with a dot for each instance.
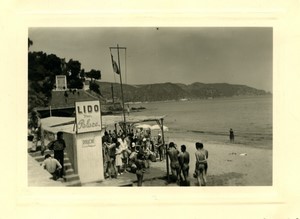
(232, 164)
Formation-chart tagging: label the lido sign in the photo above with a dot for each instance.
(88, 116)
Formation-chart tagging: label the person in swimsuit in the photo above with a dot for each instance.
(184, 160)
(201, 164)
(173, 155)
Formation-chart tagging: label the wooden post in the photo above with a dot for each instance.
(121, 88)
(165, 147)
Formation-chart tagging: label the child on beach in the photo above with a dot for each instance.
(119, 156)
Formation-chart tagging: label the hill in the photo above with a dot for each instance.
(172, 91)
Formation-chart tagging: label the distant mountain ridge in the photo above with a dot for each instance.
(177, 91)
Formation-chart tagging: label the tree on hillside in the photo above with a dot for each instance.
(53, 64)
(82, 74)
(42, 71)
(73, 69)
(73, 74)
(95, 87)
(94, 74)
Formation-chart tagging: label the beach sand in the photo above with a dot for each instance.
(228, 164)
(232, 164)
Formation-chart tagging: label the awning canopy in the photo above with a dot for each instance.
(66, 124)
(110, 120)
(56, 124)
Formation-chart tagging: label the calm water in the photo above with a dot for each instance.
(210, 120)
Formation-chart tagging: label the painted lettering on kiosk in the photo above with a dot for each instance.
(88, 116)
(88, 142)
(88, 109)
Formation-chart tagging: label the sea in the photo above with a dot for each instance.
(209, 120)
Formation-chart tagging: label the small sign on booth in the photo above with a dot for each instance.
(88, 116)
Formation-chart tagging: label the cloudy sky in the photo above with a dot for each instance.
(154, 55)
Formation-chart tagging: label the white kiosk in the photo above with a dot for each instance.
(83, 139)
(89, 141)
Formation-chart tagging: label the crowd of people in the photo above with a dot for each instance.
(134, 151)
(131, 151)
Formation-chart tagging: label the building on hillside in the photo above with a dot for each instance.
(86, 84)
(61, 82)
(63, 100)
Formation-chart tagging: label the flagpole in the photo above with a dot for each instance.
(122, 90)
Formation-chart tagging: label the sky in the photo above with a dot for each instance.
(235, 55)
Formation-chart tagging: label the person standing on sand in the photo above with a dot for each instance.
(128, 110)
(205, 163)
(140, 167)
(159, 147)
(112, 154)
(58, 146)
(35, 128)
(231, 136)
(201, 163)
(173, 155)
(125, 151)
(133, 157)
(119, 156)
(106, 160)
(184, 160)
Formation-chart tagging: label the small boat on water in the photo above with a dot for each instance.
(138, 108)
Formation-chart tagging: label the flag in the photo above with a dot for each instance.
(114, 65)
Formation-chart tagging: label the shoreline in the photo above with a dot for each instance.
(201, 99)
(217, 139)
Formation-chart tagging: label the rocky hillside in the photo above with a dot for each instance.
(171, 91)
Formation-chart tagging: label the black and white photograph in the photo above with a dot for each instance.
(150, 109)
(150, 106)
